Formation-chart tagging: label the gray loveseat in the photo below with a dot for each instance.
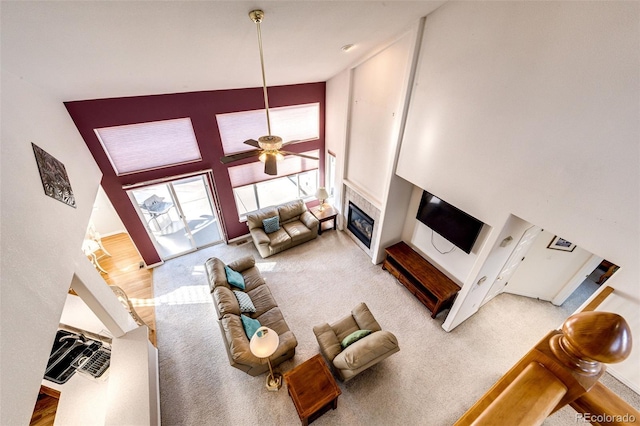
(296, 225)
(267, 313)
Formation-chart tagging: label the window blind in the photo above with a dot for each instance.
(297, 122)
(144, 146)
(246, 174)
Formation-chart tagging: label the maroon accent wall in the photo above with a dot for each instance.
(201, 107)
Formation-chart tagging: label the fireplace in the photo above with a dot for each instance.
(360, 224)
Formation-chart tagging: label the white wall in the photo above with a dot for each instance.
(336, 114)
(531, 109)
(475, 293)
(104, 216)
(545, 272)
(456, 264)
(377, 103)
(41, 238)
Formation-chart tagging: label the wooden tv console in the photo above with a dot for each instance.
(433, 288)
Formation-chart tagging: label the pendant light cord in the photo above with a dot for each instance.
(264, 80)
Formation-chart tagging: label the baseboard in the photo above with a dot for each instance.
(240, 239)
(153, 265)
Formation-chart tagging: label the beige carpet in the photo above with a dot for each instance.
(434, 378)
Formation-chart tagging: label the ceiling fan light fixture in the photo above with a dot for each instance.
(270, 143)
(263, 156)
(269, 146)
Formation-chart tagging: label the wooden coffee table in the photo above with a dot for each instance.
(312, 389)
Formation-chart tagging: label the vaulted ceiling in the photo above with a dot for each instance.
(97, 49)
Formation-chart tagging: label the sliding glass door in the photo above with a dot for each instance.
(179, 215)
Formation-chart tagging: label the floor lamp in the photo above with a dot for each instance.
(263, 344)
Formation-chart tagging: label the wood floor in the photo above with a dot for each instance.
(123, 269)
(44, 413)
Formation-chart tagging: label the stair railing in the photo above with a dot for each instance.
(124, 299)
(563, 368)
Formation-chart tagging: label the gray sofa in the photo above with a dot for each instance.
(267, 312)
(296, 226)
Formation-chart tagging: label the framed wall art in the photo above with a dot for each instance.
(54, 177)
(561, 244)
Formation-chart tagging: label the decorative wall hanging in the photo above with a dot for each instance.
(54, 177)
(558, 243)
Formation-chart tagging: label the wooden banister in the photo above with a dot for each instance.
(559, 370)
(533, 380)
(598, 299)
(600, 406)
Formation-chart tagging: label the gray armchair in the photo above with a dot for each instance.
(363, 353)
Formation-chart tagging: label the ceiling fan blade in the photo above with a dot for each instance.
(270, 165)
(299, 155)
(252, 142)
(239, 156)
(291, 142)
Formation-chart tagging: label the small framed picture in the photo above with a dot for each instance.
(558, 243)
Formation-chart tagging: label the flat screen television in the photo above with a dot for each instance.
(450, 222)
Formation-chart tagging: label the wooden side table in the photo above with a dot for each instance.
(329, 213)
(312, 389)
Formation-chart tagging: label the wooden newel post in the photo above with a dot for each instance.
(561, 368)
(590, 339)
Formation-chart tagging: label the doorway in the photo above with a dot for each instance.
(565, 277)
(179, 215)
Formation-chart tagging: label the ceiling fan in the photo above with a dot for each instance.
(269, 147)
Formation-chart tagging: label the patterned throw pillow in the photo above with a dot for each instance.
(246, 305)
(271, 224)
(250, 325)
(354, 337)
(234, 278)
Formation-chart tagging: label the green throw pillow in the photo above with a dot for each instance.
(246, 305)
(271, 224)
(250, 325)
(354, 337)
(234, 278)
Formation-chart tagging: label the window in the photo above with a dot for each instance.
(144, 146)
(297, 176)
(253, 189)
(330, 175)
(297, 122)
(275, 191)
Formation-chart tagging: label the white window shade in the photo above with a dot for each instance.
(246, 174)
(144, 146)
(298, 122)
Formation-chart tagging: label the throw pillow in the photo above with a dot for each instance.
(234, 278)
(271, 224)
(250, 325)
(354, 337)
(246, 305)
